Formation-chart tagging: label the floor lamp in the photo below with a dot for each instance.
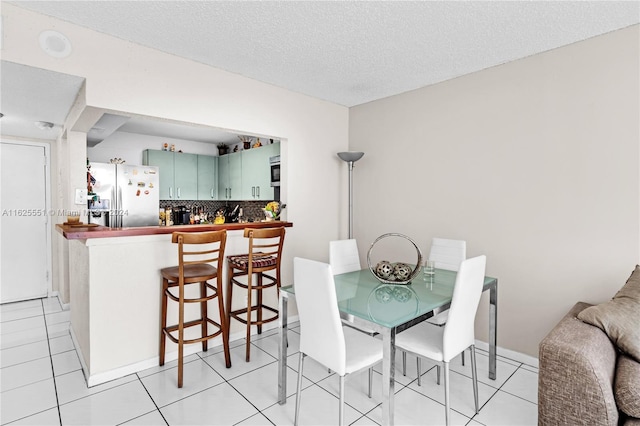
(350, 157)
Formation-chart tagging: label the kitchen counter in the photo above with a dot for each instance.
(115, 292)
(83, 232)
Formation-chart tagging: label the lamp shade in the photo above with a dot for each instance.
(350, 156)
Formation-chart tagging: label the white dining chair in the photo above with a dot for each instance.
(322, 335)
(447, 254)
(442, 344)
(343, 258)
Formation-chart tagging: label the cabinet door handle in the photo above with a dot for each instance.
(178, 192)
(258, 191)
(253, 191)
(211, 192)
(170, 192)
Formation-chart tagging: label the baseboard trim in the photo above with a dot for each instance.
(508, 353)
(107, 376)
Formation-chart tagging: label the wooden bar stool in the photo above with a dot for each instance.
(194, 267)
(265, 253)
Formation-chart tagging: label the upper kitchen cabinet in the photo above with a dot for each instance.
(178, 173)
(256, 173)
(207, 177)
(230, 176)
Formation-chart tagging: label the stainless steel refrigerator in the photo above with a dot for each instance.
(123, 195)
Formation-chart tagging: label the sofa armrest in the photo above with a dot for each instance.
(576, 371)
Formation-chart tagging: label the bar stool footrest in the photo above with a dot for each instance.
(273, 282)
(237, 315)
(169, 330)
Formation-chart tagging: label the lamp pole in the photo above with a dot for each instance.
(350, 157)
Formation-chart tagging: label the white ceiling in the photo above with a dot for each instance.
(32, 94)
(347, 52)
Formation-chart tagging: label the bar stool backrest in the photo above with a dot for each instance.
(266, 242)
(190, 255)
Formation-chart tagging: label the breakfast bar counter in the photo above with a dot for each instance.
(79, 232)
(115, 290)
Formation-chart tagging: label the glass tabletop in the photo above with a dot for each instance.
(360, 294)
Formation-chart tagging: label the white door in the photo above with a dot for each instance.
(23, 228)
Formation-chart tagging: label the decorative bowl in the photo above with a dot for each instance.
(394, 272)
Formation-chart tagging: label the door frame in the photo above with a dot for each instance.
(47, 196)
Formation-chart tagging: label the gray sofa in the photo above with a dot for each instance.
(583, 379)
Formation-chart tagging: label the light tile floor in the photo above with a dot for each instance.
(42, 384)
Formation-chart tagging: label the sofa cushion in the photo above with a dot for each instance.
(627, 386)
(620, 316)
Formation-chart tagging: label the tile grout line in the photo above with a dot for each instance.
(248, 372)
(53, 372)
(152, 400)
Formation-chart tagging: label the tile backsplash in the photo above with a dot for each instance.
(251, 210)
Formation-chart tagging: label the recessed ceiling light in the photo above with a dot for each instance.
(55, 44)
(44, 125)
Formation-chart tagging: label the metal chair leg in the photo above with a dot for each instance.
(300, 363)
(418, 365)
(341, 422)
(404, 363)
(438, 374)
(370, 381)
(463, 358)
(447, 405)
(474, 375)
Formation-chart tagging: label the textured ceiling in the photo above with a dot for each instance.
(348, 52)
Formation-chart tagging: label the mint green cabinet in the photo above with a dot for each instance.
(207, 177)
(185, 176)
(164, 161)
(230, 176)
(243, 175)
(178, 173)
(256, 178)
(256, 172)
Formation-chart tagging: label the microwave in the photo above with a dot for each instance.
(274, 163)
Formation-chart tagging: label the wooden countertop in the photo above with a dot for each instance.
(83, 232)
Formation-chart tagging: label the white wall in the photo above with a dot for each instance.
(129, 147)
(535, 163)
(128, 78)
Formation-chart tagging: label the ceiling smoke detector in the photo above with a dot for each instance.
(55, 44)
(44, 125)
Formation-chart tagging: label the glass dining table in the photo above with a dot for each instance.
(388, 309)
